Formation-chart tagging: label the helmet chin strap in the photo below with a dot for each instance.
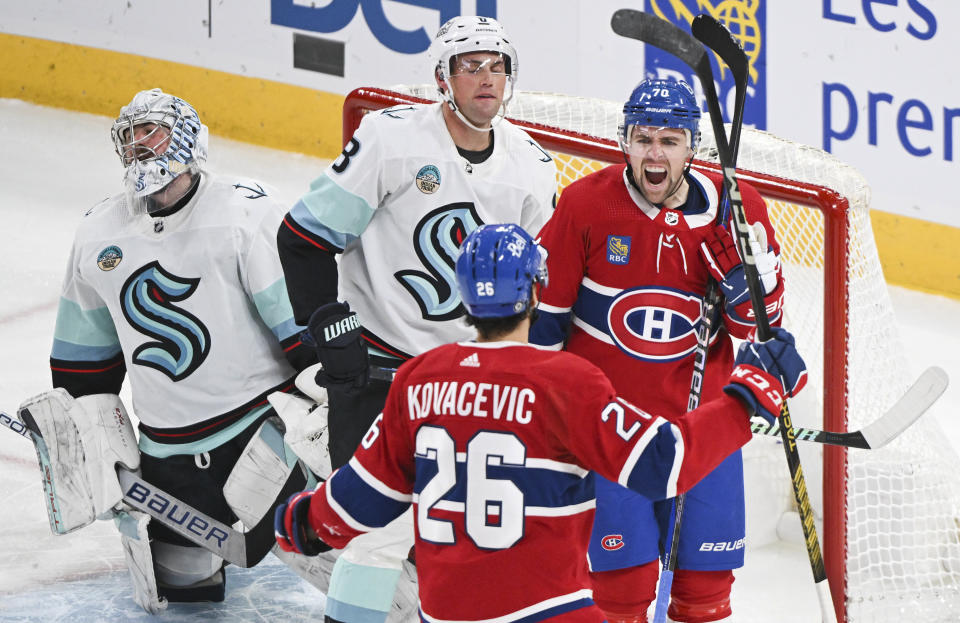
(451, 102)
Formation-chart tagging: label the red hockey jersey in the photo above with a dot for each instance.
(493, 444)
(634, 280)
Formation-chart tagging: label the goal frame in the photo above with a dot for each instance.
(835, 210)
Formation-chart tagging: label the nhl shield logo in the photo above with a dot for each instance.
(428, 179)
(671, 218)
(109, 258)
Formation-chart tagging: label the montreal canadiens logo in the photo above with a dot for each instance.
(655, 324)
(612, 542)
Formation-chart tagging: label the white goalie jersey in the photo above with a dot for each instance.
(193, 306)
(399, 201)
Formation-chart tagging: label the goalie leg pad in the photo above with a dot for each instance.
(108, 440)
(260, 473)
(179, 565)
(314, 569)
(366, 575)
(136, 549)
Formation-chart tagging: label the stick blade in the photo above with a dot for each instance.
(651, 29)
(914, 403)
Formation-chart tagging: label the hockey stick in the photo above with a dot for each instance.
(244, 549)
(898, 418)
(664, 35)
(717, 37)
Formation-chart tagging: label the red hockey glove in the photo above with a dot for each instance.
(719, 253)
(291, 527)
(764, 371)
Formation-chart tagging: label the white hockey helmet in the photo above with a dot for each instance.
(472, 33)
(149, 170)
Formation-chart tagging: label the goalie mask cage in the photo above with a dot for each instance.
(891, 516)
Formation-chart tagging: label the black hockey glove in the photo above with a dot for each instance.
(336, 334)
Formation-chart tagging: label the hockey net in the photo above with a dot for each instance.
(890, 517)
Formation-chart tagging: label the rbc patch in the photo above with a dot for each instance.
(618, 250)
(612, 542)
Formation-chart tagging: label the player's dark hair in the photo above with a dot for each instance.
(493, 328)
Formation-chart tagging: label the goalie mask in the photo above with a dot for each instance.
(159, 138)
(472, 33)
(496, 270)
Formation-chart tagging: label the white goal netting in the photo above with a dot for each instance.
(899, 506)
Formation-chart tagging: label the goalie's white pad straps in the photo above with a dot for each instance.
(259, 474)
(56, 439)
(306, 429)
(136, 549)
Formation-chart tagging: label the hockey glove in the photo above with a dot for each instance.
(765, 371)
(336, 333)
(719, 252)
(291, 527)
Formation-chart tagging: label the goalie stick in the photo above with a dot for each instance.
(664, 35)
(717, 37)
(244, 549)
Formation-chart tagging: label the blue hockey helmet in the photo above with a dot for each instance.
(662, 104)
(496, 270)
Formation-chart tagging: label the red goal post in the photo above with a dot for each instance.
(837, 305)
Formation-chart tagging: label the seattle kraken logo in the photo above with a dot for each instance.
(437, 242)
(182, 341)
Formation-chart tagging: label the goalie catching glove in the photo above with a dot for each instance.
(765, 372)
(291, 526)
(719, 252)
(336, 333)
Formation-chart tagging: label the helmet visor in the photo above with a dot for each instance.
(479, 63)
(643, 140)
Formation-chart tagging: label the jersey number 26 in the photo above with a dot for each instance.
(484, 496)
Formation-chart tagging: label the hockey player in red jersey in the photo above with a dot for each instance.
(493, 442)
(632, 247)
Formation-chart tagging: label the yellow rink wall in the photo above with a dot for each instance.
(916, 254)
(98, 81)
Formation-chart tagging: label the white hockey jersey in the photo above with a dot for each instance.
(399, 201)
(195, 304)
